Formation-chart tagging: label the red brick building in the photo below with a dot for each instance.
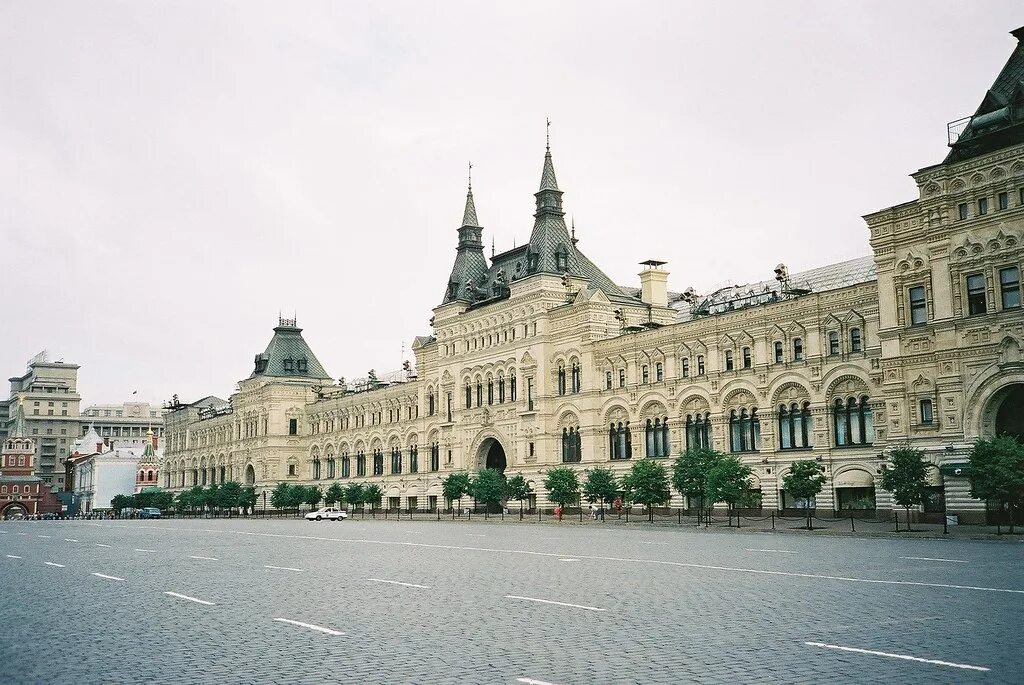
(22, 493)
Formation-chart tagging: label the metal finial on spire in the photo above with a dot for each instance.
(547, 134)
(470, 176)
(492, 247)
(573, 222)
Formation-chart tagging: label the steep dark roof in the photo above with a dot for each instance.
(470, 266)
(288, 356)
(999, 119)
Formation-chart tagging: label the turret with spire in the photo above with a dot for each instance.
(470, 267)
(551, 249)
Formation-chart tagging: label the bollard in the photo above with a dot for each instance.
(853, 528)
(679, 515)
(538, 513)
(581, 513)
(896, 518)
(627, 515)
(737, 520)
(945, 526)
(773, 520)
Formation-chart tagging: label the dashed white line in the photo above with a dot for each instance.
(285, 568)
(190, 599)
(193, 556)
(951, 561)
(44, 536)
(905, 657)
(568, 559)
(319, 629)
(50, 563)
(22, 533)
(398, 582)
(475, 535)
(777, 551)
(70, 540)
(139, 549)
(12, 556)
(100, 544)
(647, 542)
(532, 681)
(551, 601)
(103, 575)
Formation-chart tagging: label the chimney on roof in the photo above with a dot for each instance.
(654, 283)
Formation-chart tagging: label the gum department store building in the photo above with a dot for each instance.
(538, 359)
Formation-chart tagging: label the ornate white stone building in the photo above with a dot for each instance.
(537, 358)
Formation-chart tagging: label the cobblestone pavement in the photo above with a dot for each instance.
(429, 602)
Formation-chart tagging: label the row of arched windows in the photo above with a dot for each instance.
(657, 437)
(496, 392)
(574, 379)
(572, 447)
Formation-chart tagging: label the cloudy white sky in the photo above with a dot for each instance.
(172, 174)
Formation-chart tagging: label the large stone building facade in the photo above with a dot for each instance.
(538, 359)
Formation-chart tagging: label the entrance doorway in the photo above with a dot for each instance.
(1010, 411)
(15, 512)
(493, 455)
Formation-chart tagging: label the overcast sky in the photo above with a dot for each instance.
(172, 174)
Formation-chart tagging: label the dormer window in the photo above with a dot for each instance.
(301, 365)
(289, 365)
(561, 259)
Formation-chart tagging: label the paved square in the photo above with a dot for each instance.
(226, 601)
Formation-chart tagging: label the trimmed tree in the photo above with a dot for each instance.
(647, 483)
(229, 496)
(600, 485)
(455, 487)
(690, 475)
(121, 502)
(355, 495)
(373, 493)
(335, 494)
(517, 488)
(488, 487)
(562, 485)
(906, 477)
(728, 481)
(804, 481)
(183, 502)
(314, 495)
(281, 496)
(247, 500)
(997, 472)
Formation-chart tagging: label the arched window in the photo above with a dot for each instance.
(561, 379)
(620, 443)
(659, 372)
(430, 403)
(698, 431)
(435, 457)
(853, 422)
(346, 466)
(794, 426)
(571, 446)
(414, 459)
(316, 469)
(378, 462)
(622, 378)
(469, 396)
(512, 386)
(501, 388)
(657, 437)
(490, 391)
(855, 340)
(833, 343)
(778, 352)
(479, 394)
(360, 464)
(798, 349)
(686, 367)
(608, 380)
(728, 360)
(645, 375)
(744, 430)
(747, 359)
(700, 364)
(575, 377)
(396, 459)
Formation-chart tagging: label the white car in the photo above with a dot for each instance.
(329, 513)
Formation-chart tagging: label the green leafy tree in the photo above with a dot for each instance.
(355, 495)
(906, 477)
(229, 496)
(335, 494)
(297, 496)
(197, 497)
(728, 481)
(690, 475)
(562, 485)
(488, 487)
(209, 497)
(804, 481)
(518, 488)
(647, 483)
(121, 502)
(997, 472)
(183, 502)
(247, 500)
(163, 500)
(373, 493)
(600, 485)
(455, 487)
(314, 495)
(281, 496)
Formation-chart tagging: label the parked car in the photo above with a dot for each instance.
(149, 513)
(329, 513)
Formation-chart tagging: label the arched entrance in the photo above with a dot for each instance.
(14, 512)
(492, 455)
(1009, 409)
(250, 475)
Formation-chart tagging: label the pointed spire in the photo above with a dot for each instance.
(18, 430)
(547, 176)
(469, 214)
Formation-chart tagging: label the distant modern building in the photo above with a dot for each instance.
(22, 492)
(123, 425)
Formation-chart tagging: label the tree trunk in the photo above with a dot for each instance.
(907, 509)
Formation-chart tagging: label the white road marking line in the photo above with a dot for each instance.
(624, 560)
(905, 657)
(100, 544)
(22, 533)
(777, 551)
(70, 540)
(568, 559)
(532, 681)
(13, 556)
(645, 542)
(551, 538)
(103, 575)
(475, 535)
(43, 536)
(139, 549)
(206, 558)
(551, 601)
(191, 599)
(397, 582)
(952, 561)
(320, 629)
(50, 563)
(285, 568)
